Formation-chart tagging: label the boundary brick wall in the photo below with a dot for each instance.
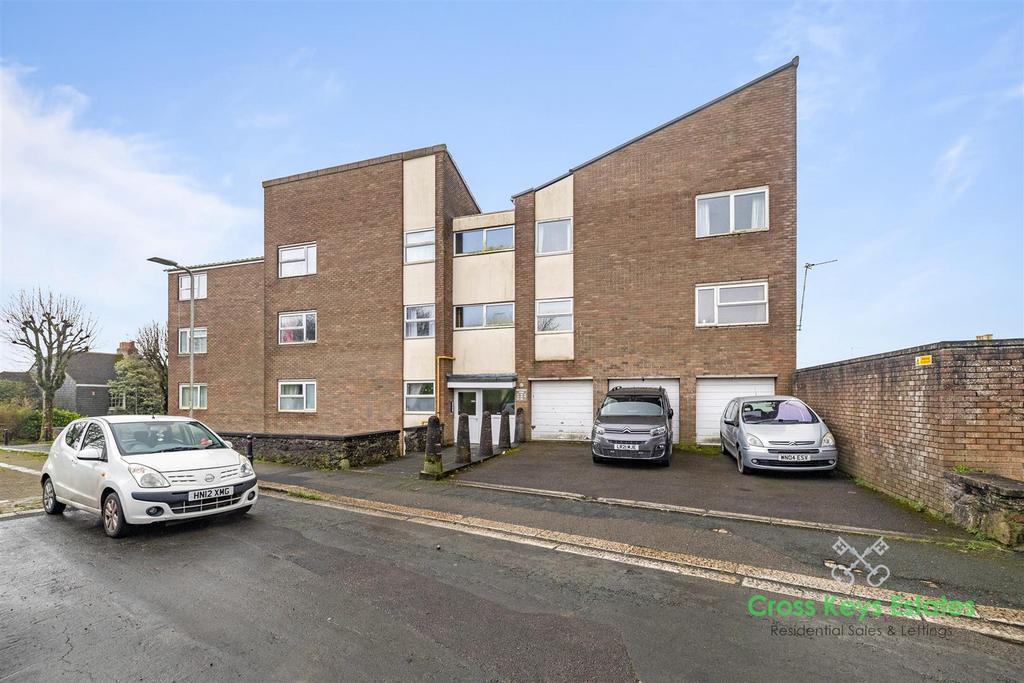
(900, 426)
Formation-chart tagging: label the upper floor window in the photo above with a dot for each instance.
(502, 238)
(419, 246)
(484, 315)
(296, 396)
(736, 211)
(554, 315)
(185, 287)
(184, 397)
(419, 321)
(296, 260)
(200, 337)
(296, 328)
(419, 397)
(742, 303)
(554, 237)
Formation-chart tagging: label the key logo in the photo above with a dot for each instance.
(877, 574)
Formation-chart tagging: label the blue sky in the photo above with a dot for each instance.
(133, 129)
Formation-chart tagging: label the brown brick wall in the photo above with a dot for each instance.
(900, 426)
(355, 217)
(232, 368)
(637, 260)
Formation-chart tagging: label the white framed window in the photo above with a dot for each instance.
(484, 240)
(296, 260)
(419, 397)
(419, 321)
(185, 287)
(296, 327)
(554, 315)
(471, 316)
(736, 303)
(419, 246)
(721, 213)
(296, 396)
(184, 399)
(554, 237)
(118, 400)
(200, 337)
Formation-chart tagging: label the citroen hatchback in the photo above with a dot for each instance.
(133, 469)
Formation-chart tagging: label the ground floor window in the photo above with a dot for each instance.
(117, 401)
(742, 303)
(185, 398)
(296, 396)
(419, 397)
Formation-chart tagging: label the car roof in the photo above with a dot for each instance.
(115, 419)
(635, 391)
(768, 398)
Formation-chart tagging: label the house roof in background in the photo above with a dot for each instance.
(17, 376)
(92, 367)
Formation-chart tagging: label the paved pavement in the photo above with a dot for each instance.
(297, 592)
(705, 481)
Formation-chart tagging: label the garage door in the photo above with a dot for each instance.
(671, 386)
(562, 409)
(714, 394)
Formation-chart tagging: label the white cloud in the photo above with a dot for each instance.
(82, 208)
(955, 168)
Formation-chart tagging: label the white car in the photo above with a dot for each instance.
(140, 469)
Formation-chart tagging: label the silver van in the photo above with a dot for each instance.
(776, 433)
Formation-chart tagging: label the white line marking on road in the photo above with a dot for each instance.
(19, 468)
(996, 618)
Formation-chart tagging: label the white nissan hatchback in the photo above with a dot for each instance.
(134, 469)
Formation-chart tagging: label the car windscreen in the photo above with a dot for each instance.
(777, 412)
(626, 406)
(162, 436)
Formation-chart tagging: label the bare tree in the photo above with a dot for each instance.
(53, 329)
(152, 345)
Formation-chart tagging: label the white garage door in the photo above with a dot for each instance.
(714, 394)
(671, 386)
(562, 409)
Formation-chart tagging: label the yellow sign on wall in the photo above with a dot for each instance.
(923, 360)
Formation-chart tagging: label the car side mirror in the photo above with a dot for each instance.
(671, 413)
(228, 444)
(91, 453)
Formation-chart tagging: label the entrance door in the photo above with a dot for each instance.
(468, 401)
(474, 402)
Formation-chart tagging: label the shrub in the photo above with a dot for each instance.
(26, 422)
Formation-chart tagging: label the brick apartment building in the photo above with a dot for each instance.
(385, 294)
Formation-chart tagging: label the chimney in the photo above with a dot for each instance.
(126, 348)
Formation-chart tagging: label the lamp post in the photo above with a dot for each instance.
(191, 326)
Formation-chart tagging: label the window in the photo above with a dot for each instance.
(737, 211)
(93, 438)
(117, 401)
(296, 260)
(778, 412)
(200, 336)
(296, 396)
(554, 237)
(419, 321)
(739, 304)
(419, 397)
(184, 399)
(554, 315)
(74, 431)
(419, 246)
(185, 285)
(484, 315)
(162, 436)
(629, 406)
(486, 239)
(498, 400)
(296, 328)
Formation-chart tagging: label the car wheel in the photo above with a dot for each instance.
(666, 461)
(113, 517)
(725, 450)
(51, 505)
(740, 467)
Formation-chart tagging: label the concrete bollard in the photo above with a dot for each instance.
(486, 441)
(462, 452)
(248, 447)
(432, 466)
(7, 436)
(520, 425)
(503, 438)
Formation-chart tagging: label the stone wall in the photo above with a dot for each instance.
(322, 452)
(988, 503)
(415, 439)
(900, 425)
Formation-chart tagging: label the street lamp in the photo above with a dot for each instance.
(191, 326)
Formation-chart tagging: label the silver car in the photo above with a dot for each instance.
(776, 433)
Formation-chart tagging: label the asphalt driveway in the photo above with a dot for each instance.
(708, 482)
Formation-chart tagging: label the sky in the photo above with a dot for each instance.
(132, 130)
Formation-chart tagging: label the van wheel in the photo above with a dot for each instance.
(113, 517)
(51, 505)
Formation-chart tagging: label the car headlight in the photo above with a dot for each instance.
(598, 429)
(658, 431)
(828, 439)
(147, 477)
(244, 467)
(754, 441)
